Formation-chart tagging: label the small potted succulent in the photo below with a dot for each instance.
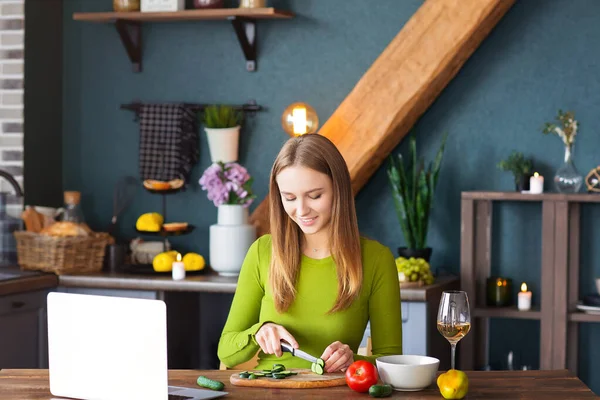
(520, 167)
(222, 124)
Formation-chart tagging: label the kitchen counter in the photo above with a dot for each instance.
(205, 282)
(13, 280)
(213, 283)
(524, 385)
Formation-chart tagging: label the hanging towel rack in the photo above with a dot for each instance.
(250, 107)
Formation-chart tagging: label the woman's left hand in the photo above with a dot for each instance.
(338, 357)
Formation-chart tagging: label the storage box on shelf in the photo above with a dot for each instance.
(558, 315)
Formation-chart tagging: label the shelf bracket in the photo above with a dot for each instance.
(131, 37)
(245, 29)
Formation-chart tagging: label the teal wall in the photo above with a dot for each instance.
(541, 57)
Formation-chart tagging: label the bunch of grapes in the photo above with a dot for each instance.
(414, 270)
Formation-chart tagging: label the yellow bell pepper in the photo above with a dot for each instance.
(149, 222)
(453, 384)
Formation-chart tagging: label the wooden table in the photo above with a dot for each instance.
(523, 385)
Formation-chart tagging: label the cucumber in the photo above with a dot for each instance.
(244, 374)
(317, 368)
(380, 391)
(279, 376)
(252, 376)
(209, 383)
(321, 362)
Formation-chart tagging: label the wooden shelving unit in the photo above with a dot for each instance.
(506, 312)
(558, 314)
(129, 26)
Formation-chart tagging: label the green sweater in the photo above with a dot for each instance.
(306, 318)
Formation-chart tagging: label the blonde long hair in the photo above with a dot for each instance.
(318, 153)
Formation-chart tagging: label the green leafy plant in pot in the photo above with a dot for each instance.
(222, 124)
(520, 167)
(413, 187)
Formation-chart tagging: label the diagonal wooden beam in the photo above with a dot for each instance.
(403, 82)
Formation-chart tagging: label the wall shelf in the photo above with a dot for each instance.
(559, 275)
(583, 317)
(129, 26)
(506, 312)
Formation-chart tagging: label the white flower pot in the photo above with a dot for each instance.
(230, 240)
(223, 143)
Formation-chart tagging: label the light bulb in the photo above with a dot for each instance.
(299, 118)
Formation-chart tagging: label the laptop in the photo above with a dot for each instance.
(111, 348)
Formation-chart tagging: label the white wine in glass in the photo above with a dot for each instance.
(454, 318)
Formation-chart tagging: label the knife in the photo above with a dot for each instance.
(297, 352)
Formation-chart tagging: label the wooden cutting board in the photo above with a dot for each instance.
(306, 379)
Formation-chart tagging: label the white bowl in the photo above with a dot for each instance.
(407, 372)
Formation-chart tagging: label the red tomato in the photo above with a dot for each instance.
(361, 375)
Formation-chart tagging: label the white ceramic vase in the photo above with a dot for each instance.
(230, 239)
(223, 143)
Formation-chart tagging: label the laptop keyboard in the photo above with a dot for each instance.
(178, 397)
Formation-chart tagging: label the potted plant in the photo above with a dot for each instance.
(520, 167)
(228, 186)
(413, 187)
(222, 124)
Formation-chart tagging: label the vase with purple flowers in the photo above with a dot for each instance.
(228, 186)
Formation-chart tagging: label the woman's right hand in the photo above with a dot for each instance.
(269, 338)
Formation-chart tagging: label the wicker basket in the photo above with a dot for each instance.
(61, 255)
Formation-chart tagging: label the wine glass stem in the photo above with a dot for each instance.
(453, 353)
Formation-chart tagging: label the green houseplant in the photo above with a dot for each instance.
(520, 167)
(413, 187)
(221, 116)
(222, 124)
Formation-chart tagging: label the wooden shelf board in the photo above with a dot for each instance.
(515, 196)
(185, 15)
(506, 312)
(578, 316)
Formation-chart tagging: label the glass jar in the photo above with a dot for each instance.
(126, 5)
(72, 209)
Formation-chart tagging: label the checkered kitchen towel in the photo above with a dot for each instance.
(168, 141)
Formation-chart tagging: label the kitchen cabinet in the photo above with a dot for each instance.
(23, 330)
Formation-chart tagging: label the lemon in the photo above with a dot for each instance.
(193, 262)
(163, 262)
(149, 222)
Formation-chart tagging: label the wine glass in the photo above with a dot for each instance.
(454, 318)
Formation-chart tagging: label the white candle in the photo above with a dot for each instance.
(536, 184)
(178, 270)
(524, 298)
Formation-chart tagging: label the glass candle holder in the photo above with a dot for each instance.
(499, 291)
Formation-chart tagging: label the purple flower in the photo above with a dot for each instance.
(227, 184)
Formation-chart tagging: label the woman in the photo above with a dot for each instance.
(313, 282)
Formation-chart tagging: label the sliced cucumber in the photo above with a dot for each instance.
(280, 376)
(244, 375)
(209, 383)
